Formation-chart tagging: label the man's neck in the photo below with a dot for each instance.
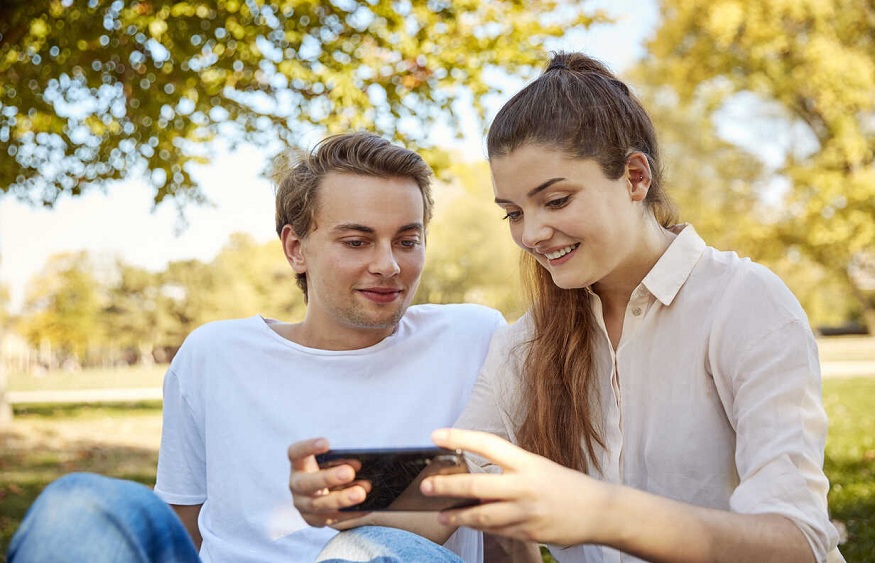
(352, 339)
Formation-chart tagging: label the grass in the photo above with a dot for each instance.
(850, 462)
(47, 441)
(97, 378)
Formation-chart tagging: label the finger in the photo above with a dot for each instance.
(495, 449)
(493, 517)
(320, 481)
(301, 454)
(328, 502)
(363, 483)
(484, 486)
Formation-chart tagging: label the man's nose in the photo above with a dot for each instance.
(384, 262)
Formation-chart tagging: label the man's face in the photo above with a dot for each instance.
(363, 257)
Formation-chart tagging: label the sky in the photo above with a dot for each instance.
(120, 220)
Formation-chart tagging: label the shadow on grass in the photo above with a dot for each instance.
(25, 470)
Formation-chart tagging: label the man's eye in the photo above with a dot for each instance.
(354, 243)
(410, 243)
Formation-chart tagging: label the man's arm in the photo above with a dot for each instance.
(189, 514)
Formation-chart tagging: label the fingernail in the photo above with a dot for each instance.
(426, 487)
(355, 495)
(344, 472)
(320, 443)
(440, 434)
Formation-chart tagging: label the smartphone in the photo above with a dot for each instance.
(394, 475)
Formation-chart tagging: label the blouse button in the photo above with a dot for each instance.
(636, 311)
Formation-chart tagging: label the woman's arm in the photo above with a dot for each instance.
(535, 499)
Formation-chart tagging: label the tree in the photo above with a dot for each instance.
(63, 308)
(96, 90)
(815, 63)
(5, 407)
(133, 318)
(470, 254)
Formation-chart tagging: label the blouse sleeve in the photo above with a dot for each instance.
(766, 369)
(494, 404)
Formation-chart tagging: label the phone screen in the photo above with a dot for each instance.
(395, 473)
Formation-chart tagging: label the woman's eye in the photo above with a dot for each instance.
(559, 202)
(513, 215)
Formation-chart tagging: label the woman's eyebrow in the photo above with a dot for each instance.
(534, 191)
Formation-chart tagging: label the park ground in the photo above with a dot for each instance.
(121, 439)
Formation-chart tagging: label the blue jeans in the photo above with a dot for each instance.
(375, 544)
(83, 517)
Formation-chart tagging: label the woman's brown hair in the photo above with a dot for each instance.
(579, 107)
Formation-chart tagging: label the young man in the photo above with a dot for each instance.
(363, 368)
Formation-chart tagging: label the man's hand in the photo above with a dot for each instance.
(319, 494)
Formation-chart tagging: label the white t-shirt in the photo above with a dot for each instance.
(713, 396)
(237, 395)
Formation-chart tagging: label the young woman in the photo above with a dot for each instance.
(664, 396)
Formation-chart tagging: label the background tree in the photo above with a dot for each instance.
(133, 318)
(98, 90)
(470, 255)
(62, 310)
(95, 90)
(5, 407)
(809, 69)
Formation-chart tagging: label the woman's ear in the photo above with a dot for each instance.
(293, 249)
(638, 176)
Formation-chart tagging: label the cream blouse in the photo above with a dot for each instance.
(713, 396)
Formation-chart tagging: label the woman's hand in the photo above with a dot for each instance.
(319, 494)
(534, 499)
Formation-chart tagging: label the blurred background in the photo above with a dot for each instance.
(134, 137)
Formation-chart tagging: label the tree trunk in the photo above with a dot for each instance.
(5, 407)
(865, 304)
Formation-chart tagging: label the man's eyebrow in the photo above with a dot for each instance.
(353, 227)
(343, 227)
(411, 227)
(534, 191)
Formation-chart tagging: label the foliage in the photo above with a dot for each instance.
(64, 303)
(470, 255)
(95, 90)
(716, 186)
(812, 64)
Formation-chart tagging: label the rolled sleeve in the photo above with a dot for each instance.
(771, 389)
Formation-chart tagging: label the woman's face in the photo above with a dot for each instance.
(580, 225)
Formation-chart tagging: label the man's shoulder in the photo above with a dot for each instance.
(213, 332)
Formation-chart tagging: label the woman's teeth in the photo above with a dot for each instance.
(561, 252)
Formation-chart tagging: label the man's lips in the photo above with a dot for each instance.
(380, 294)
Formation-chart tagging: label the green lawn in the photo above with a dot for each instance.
(97, 378)
(121, 440)
(850, 462)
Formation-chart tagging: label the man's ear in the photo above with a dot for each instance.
(293, 249)
(638, 176)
